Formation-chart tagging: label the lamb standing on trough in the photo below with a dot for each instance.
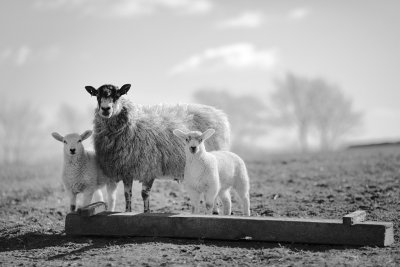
(135, 142)
(213, 173)
(81, 173)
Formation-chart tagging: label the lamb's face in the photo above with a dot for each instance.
(194, 140)
(108, 98)
(72, 142)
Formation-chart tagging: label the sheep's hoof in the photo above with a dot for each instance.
(215, 213)
(146, 211)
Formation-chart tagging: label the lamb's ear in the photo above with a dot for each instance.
(58, 137)
(207, 134)
(124, 89)
(86, 134)
(91, 90)
(180, 134)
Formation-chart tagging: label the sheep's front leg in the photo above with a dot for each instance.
(128, 194)
(72, 201)
(146, 188)
(111, 195)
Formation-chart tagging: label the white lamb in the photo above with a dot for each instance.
(213, 173)
(81, 173)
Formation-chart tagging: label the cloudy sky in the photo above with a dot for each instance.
(167, 49)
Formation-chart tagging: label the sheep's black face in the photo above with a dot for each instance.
(107, 98)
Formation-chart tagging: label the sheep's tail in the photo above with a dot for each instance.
(223, 139)
(205, 117)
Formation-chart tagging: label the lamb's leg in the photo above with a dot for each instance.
(111, 195)
(215, 208)
(72, 201)
(242, 188)
(128, 194)
(225, 197)
(210, 198)
(87, 197)
(98, 195)
(146, 188)
(194, 200)
(246, 204)
(244, 196)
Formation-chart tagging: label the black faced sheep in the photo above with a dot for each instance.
(135, 142)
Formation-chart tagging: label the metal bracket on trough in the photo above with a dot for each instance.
(353, 231)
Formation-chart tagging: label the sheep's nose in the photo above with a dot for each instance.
(72, 150)
(105, 108)
(193, 149)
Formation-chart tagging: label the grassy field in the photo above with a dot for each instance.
(33, 206)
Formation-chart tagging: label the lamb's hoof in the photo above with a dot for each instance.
(215, 213)
(232, 213)
(146, 211)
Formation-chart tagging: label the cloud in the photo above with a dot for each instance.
(127, 8)
(20, 56)
(187, 6)
(6, 54)
(299, 13)
(16, 56)
(234, 56)
(244, 20)
(51, 53)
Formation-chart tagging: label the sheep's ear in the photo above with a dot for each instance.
(86, 134)
(124, 89)
(179, 133)
(58, 137)
(207, 134)
(91, 90)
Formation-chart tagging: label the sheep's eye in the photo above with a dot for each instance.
(200, 140)
(79, 141)
(187, 140)
(65, 142)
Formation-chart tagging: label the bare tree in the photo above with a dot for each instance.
(314, 106)
(247, 114)
(20, 128)
(333, 114)
(292, 103)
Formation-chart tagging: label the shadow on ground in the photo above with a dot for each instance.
(36, 240)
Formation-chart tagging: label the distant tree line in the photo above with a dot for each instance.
(18, 131)
(314, 107)
(24, 134)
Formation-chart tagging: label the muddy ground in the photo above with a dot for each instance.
(33, 207)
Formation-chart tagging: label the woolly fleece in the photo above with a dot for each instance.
(138, 143)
